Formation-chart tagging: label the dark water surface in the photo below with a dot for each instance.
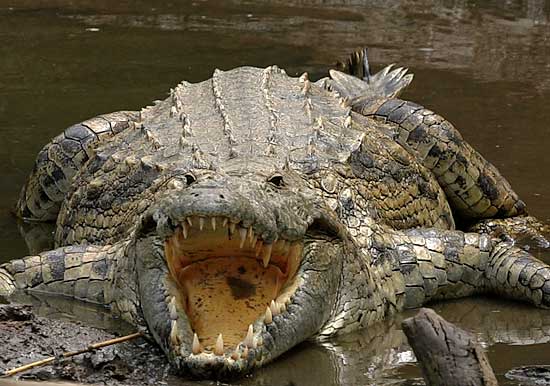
(484, 67)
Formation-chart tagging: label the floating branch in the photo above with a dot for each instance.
(69, 354)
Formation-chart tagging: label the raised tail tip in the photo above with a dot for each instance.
(387, 83)
(357, 64)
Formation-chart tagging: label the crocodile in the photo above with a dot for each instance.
(254, 210)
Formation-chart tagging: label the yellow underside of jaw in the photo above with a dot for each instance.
(226, 295)
(227, 279)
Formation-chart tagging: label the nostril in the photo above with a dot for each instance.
(222, 196)
(190, 178)
(195, 194)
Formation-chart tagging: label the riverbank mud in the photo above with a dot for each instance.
(28, 337)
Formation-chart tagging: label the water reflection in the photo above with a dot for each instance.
(63, 308)
(379, 355)
(494, 40)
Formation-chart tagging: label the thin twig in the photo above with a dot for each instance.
(69, 354)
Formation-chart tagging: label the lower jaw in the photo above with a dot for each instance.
(228, 309)
(227, 300)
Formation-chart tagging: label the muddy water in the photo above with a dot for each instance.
(485, 67)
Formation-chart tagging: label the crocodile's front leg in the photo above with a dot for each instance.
(524, 230)
(436, 264)
(82, 272)
(61, 159)
(97, 274)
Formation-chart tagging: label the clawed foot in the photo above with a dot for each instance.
(525, 231)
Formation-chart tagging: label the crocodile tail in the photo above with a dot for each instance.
(357, 65)
(355, 82)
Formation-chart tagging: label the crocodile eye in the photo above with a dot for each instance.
(276, 180)
(189, 178)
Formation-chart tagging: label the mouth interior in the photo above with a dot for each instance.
(227, 277)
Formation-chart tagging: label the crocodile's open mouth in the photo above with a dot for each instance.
(225, 277)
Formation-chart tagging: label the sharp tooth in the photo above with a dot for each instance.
(258, 247)
(174, 263)
(294, 257)
(254, 240)
(178, 239)
(235, 356)
(184, 230)
(282, 301)
(266, 254)
(232, 226)
(268, 316)
(197, 348)
(249, 339)
(169, 250)
(218, 348)
(174, 339)
(172, 309)
(284, 246)
(170, 247)
(242, 233)
(213, 221)
(189, 221)
(224, 222)
(201, 223)
(250, 235)
(274, 308)
(245, 352)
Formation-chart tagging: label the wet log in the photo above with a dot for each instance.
(447, 354)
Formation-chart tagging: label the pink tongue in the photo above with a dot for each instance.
(226, 294)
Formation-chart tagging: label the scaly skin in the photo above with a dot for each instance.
(337, 195)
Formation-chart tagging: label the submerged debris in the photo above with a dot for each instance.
(530, 375)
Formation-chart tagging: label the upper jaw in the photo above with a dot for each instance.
(201, 235)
